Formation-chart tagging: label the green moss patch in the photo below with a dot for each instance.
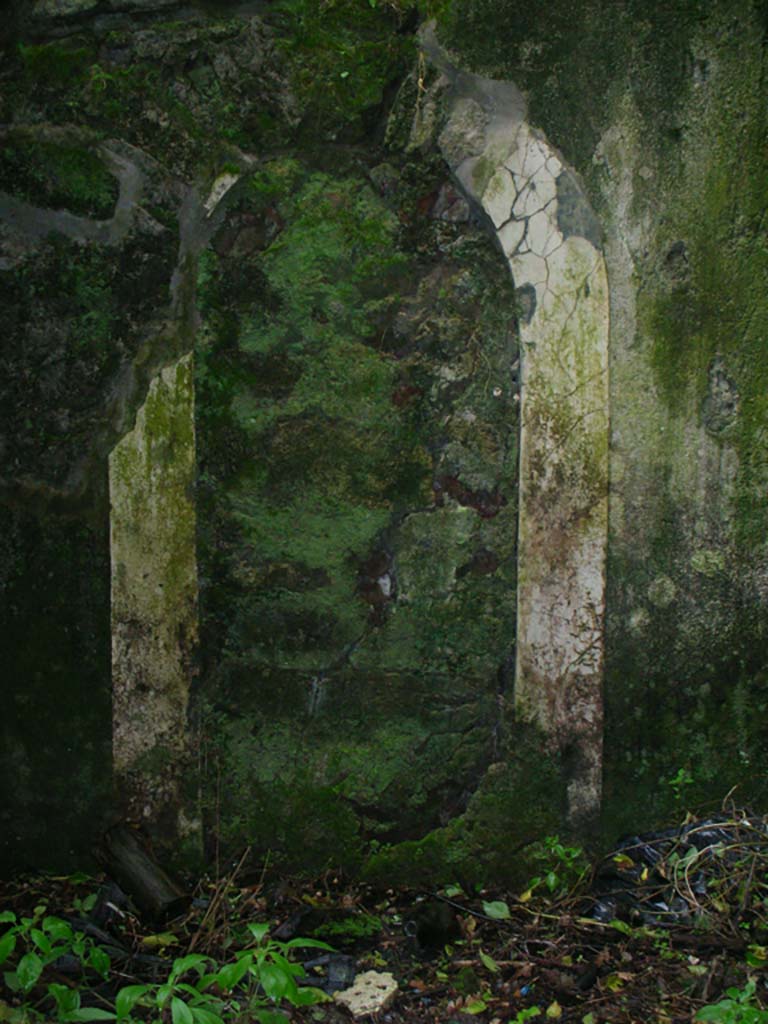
(358, 438)
(57, 175)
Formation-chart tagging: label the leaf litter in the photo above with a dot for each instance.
(665, 924)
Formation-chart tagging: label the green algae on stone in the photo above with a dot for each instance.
(359, 525)
(519, 800)
(154, 601)
(58, 175)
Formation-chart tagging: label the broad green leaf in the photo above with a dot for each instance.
(58, 930)
(489, 962)
(716, 1012)
(194, 993)
(180, 1012)
(29, 970)
(276, 982)
(554, 1011)
(476, 1006)
(159, 940)
(271, 1017)
(295, 970)
(258, 931)
(91, 1013)
(306, 944)
(99, 961)
(231, 974)
(7, 917)
(308, 995)
(7, 945)
(128, 997)
(201, 1016)
(497, 909)
(453, 891)
(11, 981)
(193, 962)
(67, 999)
(41, 940)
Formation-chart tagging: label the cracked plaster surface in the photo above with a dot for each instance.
(550, 237)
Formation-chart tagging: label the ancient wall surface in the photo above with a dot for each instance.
(478, 325)
(154, 604)
(660, 109)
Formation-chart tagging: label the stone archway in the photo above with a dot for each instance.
(551, 240)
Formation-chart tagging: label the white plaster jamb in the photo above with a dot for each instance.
(550, 237)
(154, 603)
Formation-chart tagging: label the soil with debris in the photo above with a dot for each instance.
(661, 927)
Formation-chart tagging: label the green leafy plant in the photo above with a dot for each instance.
(197, 990)
(260, 976)
(679, 782)
(527, 1014)
(738, 1007)
(44, 939)
(186, 1001)
(33, 943)
(562, 867)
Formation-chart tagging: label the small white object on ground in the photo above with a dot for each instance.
(371, 992)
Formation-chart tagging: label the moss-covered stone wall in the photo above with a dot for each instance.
(154, 606)
(356, 373)
(358, 439)
(661, 108)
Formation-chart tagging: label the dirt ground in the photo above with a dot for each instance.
(690, 910)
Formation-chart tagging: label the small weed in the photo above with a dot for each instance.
(738, 1007)
(680, 782)
(562, 868)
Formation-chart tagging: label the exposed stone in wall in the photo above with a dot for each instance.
(551, 239)
(154, 603)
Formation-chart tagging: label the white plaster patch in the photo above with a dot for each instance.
(499, 197)
(511, 235)
(385, 584)
(535, 157)
(554, 167)
(219, 189)
(529, 268)
(539, 232)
